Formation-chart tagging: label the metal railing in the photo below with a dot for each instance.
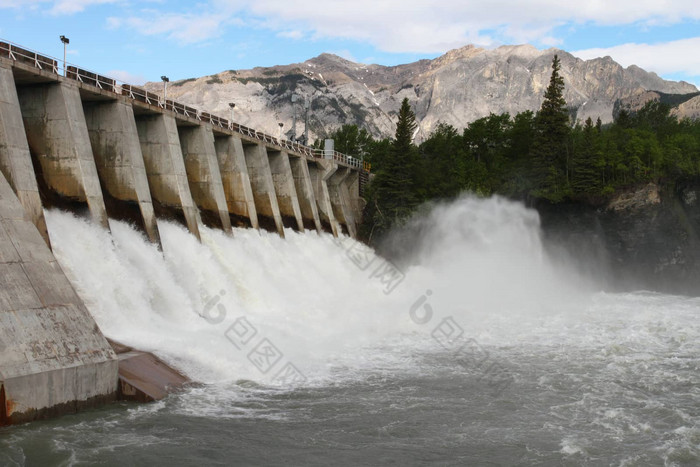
(47, 63)
(342, 158)
(20, 54)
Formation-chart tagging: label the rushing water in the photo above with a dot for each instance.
(314, 351)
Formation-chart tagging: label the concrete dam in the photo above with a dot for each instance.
(76, 140)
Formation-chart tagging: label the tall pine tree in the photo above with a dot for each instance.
(585, 178)
(392, 194)
(550, 147)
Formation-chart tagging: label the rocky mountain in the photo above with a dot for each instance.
(456, 88)
(682, 105)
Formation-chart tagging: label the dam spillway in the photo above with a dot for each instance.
(79, 141)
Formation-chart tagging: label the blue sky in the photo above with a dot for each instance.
(140, 41)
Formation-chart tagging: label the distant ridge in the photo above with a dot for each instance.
(456, 88)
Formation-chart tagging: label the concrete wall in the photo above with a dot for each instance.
(263, 186)
(305, 193)
(234, 175)
(354, 201)
(58, 137)
(165, 168)
(203, 173)
(340, 199)
(15, 159)
(284, 189)
(53, 358)
(117, 151)
(319, 172)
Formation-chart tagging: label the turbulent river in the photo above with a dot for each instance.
(481, 349)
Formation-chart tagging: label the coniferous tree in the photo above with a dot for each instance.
(392, 196)
(585, 177)
(550, 150)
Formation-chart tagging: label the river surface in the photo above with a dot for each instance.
(480, 349)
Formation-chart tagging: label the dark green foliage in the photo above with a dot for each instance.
(586, 179)
(527, 156)
(352, 140)
(214, 80)
(394, 193)
(180, 83)
(550, 147)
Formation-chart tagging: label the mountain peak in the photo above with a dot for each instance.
(456, 88)
(466, 52)
(331, 59)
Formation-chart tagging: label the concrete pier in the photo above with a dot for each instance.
(165, 168)
(263, 187)
(305, 193)
(117, 151)
(285, 190)
(337, 189)
(58, 138)
(319, 172)
(53, 358)
(203, 173)
(352, 198)
(234, 175)
(15, 159)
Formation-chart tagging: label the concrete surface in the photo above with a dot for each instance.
(165, 167)
(57, 135)
(117, 151)
(337, 189)
(15, 159)
(285, 190)
(305, 193)
(53, 358)
(263, 186)
(234, 175)
(319, 172)
(202, 166)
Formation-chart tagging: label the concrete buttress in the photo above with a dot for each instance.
(284, 189)
(203, 174)
(236, 180)
(115, 144)
(319, 172)
(53, 357)
(305, 193)
(263, 187)
(15, 159)
(337, 188)
(58, 137)
(165, 168)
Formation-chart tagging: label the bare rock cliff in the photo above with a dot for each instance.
(457, 88)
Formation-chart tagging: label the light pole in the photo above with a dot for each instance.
(166, 80)
(294, 119)
(232, 106)
(65, 41)
(281, 125)
(307, 105)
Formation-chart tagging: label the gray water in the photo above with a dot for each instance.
(607, 406)
(486, 352)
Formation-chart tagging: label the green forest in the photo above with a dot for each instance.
(531, 156)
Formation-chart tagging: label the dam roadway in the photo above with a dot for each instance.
(82, 142)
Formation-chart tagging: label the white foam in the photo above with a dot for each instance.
(315, 300)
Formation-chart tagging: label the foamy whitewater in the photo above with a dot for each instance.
(485, 349)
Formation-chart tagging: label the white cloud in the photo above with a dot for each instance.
(346, 54)
(126, 77)
(431, 26)
(400, 26)
(665, 58)
(294, 34)
(58, 7)
(63, 7)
